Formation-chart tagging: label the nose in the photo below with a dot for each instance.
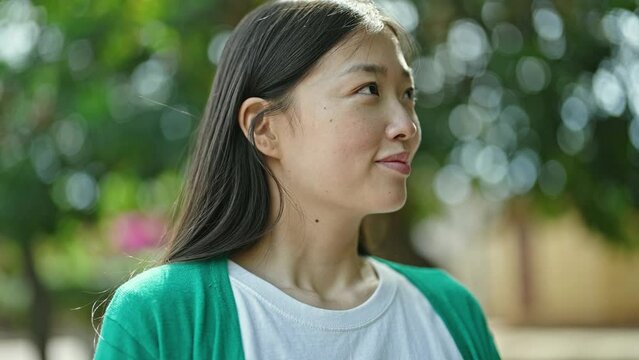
(403, 126)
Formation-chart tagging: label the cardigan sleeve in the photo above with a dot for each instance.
(457, 307)
(173, 311)
(481, 325)
(127, 330)
(466, 315)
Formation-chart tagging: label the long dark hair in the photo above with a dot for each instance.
(225, 202)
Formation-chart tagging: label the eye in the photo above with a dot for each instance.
(372, 87)
(411, 94)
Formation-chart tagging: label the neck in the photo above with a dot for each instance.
(314, 254)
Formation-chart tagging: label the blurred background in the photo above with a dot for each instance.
(525, 188)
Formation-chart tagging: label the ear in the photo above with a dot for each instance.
(266, 139)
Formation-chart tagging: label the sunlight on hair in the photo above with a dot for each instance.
(366, 8)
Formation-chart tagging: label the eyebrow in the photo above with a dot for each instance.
(375, 69)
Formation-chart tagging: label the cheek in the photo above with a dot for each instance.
(342, 140)
(354, 135)
(357, 141)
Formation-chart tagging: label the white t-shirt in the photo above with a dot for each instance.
(396, 322)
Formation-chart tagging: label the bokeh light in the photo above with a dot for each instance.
(452, 185)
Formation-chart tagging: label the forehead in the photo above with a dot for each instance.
(364, 52)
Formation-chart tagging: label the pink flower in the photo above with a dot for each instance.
(136, 231)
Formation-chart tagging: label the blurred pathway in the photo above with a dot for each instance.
(60, 348)
(541, 343)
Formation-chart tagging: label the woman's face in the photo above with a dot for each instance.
(354, 108)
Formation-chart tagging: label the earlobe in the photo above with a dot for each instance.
(264, 132)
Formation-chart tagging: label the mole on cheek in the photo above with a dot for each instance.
(316, 220)
(331, 120)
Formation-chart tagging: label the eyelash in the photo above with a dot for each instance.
(411, 90)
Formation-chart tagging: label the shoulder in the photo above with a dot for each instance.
(432, 278)
(165, 277)
(156, 313)
(441, 288)
(456, 305)
(164, 287)
(159, 280)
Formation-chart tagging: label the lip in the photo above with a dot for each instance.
(396, 165)
(398, 162)
(399, 157)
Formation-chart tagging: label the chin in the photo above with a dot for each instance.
(391, 204)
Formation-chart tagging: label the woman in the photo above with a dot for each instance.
(310, 126)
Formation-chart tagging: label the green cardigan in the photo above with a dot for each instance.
(187, 311)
